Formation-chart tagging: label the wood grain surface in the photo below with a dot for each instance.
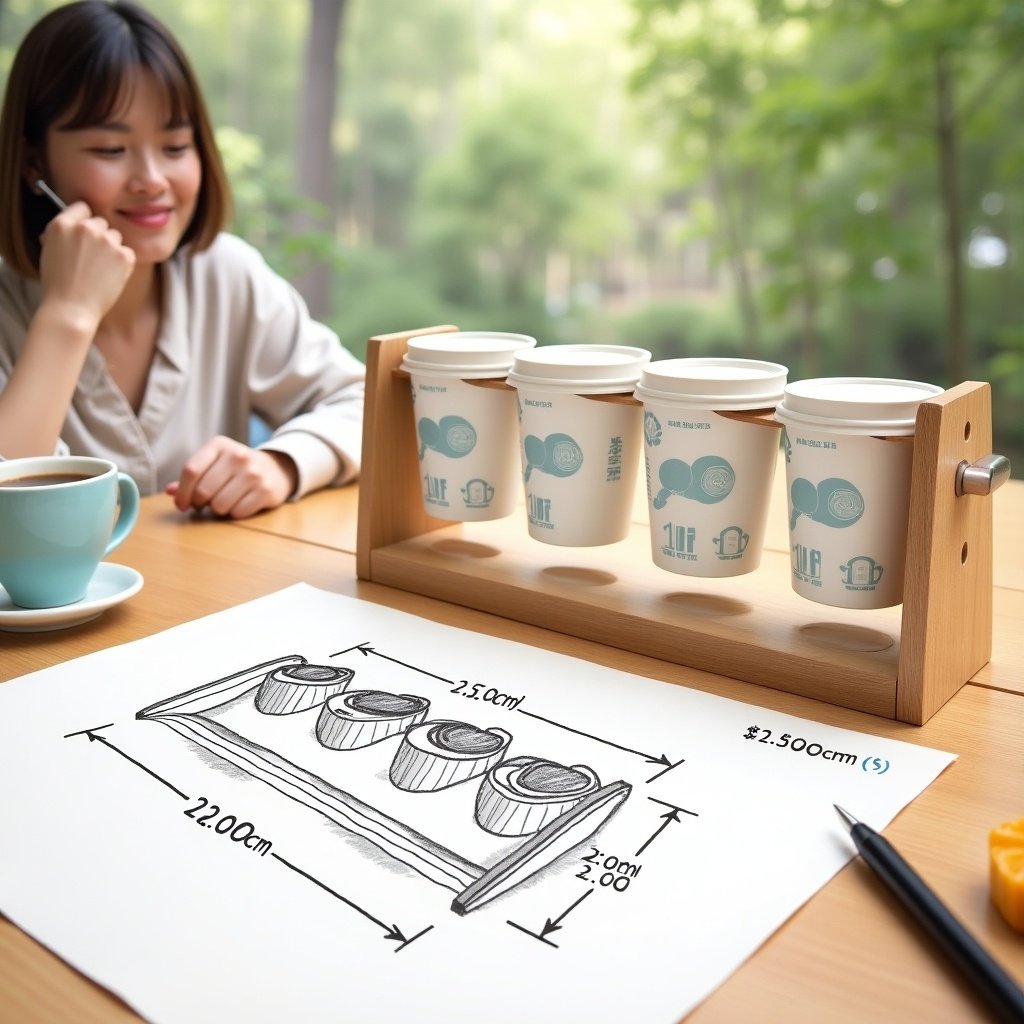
(849, 955)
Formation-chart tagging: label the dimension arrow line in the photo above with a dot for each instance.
(366, 649)
(672, 815)
(675, 807)
(138, 764)
(666, 770)
(398, 949)
(600, 739)
(82, 732)
(539, 938)
(552, 926)
(354, 647)
(392, 932)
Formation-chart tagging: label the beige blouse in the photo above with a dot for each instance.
(236, 339)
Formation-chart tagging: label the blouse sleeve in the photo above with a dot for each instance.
(302, 382)
(18, 302)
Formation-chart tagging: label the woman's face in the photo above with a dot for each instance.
(137, 171)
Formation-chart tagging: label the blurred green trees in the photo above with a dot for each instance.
(827, 182)
(861, 165)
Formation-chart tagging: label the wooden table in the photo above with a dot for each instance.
(847, 955)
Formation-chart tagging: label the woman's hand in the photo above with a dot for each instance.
(83, 269)
(234, 480)
(84, 264)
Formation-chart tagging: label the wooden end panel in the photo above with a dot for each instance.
(946, 635)
(390, 503)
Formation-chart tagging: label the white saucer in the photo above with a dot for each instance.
(111, 584)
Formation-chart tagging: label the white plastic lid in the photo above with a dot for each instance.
(855, 405)
(713, 383)
(581, 369)
(470, 354)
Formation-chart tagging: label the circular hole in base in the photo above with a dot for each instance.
(842, 637)
(963, 554)
(579, 576)
(464, 548)
(967, 430)
(708, 605)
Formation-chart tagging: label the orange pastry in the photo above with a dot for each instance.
(1006, 865)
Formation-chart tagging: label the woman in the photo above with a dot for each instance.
(131, 326)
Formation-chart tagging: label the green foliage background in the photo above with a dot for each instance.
(758, 177)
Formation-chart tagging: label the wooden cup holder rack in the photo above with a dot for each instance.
(902, 663)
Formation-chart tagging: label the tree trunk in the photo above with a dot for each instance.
(810, 343)
(735, 249)
(314, 171)
(947, 143)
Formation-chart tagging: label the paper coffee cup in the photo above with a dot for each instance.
(465, 432)
(849, 446)
(579, 450)
(709, 477)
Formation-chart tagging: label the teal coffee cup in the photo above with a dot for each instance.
(849, 455)
(59, 516)
(579, 436)
(709, 473)
(465, 425)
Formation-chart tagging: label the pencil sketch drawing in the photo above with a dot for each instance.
(249, 717)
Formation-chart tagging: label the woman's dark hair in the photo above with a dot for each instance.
(71, 71)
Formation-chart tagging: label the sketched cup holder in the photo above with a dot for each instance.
(357, 738)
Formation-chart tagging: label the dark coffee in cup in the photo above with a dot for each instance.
(45, 479)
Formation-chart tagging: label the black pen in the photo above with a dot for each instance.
(999, 990)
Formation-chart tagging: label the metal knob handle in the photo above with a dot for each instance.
(984, 476)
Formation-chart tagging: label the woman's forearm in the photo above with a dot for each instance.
(35, 400)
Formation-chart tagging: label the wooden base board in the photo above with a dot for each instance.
(749, 627)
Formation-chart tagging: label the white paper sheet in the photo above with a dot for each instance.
(209, 862)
